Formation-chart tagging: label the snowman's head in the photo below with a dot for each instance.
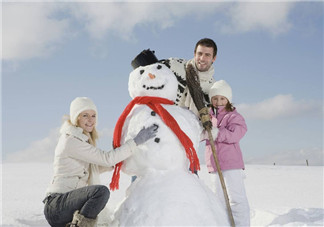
(155, 80)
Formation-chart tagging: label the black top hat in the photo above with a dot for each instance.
(146, 57)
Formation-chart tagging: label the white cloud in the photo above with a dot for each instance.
(105, 138)
(314, 157)
(29, 30)
(43, 150)
(120, 18)
(38, 151)
(249, 16)
(37, 29)
(281, 106)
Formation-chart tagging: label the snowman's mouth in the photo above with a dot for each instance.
(153, 88)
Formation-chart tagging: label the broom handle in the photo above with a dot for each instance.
(198, 98)
(221, 178)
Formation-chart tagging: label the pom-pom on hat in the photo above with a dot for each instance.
(221, 87)
(80, 104)
(146, 57)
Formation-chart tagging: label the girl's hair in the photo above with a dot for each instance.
(229, 107)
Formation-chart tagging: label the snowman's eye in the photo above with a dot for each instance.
(142, 71)
(159, 67)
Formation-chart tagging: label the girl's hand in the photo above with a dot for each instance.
(214, 122)
(214, 132)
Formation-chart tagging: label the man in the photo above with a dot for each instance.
(204, 56)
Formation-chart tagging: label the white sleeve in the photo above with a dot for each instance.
(88, 153)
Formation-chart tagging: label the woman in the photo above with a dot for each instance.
(74, 193)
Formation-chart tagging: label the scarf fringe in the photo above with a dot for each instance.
(114, 185)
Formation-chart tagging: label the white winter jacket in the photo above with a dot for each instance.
(78, 163)
(178, 67)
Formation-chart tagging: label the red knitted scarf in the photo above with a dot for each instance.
(155, 104)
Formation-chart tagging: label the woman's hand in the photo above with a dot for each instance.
(145, 134)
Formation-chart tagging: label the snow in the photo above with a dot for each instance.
(153, 80)
(165, 192)
(167, 153)
(171, 198)
(278, 195)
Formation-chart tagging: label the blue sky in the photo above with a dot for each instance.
(271, 53)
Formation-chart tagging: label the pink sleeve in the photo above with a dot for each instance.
(233, 131)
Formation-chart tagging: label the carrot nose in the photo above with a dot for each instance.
(152, 76)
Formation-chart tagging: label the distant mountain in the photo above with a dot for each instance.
(314, 157)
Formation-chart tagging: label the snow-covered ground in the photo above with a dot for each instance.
(278, 195)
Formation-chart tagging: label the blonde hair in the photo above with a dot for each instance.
(93, 136)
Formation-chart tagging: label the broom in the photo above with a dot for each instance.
(198, 98)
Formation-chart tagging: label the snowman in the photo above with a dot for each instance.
(165, 191)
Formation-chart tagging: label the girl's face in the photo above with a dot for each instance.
(219, 100)
(87, 120)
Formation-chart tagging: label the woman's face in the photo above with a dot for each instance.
(219, 100)
(87, 120)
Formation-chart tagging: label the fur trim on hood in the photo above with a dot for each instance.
(69, 129)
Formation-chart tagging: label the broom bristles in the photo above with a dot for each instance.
(197, 95)
(193, 83)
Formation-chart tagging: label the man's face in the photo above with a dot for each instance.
(204, 58)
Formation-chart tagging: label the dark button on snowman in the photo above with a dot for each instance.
(165, 191)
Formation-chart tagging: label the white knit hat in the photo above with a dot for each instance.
(222, 88)
(79, 105)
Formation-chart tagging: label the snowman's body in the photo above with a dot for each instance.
(165, 191)
(164, 152)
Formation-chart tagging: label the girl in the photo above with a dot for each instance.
(228, 129)
(74, 193)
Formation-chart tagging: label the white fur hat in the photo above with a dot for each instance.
(222, 88)
(79, 105)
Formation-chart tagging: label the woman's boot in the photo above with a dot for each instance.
(80, 221)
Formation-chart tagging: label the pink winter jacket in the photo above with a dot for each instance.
(232, 128)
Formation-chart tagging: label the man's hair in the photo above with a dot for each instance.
(207, 43)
